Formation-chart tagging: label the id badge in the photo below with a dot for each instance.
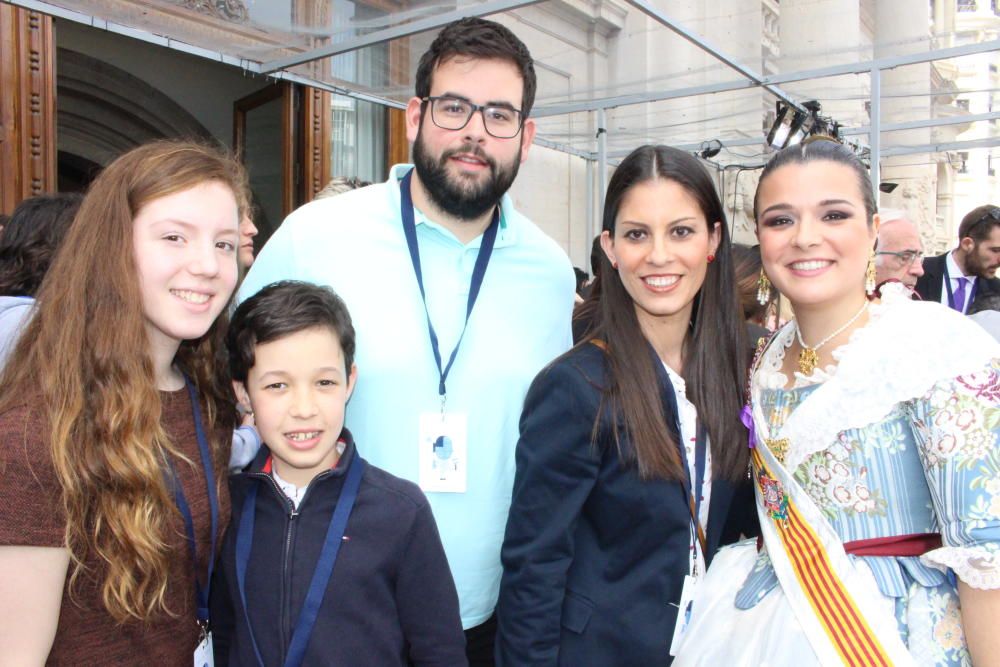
(686, 606)
(442, 459)
(203, 655)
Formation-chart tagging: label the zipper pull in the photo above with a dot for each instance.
(294, 513)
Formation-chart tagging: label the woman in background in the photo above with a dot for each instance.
(27, 247)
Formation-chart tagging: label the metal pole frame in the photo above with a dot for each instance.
(601, 105)
(602, 164)
(892, 151)
(388, 34)
(757, 79)
(790, 77)
(874, 137)
(135, 33)
(844, 132)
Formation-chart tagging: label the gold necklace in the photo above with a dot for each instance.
(809, 357)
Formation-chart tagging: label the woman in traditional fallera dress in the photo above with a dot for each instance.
(874, 453)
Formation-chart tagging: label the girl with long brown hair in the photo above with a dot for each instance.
(115, 421)
(630, 446)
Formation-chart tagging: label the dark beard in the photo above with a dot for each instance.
(466, 201)
(975, 266)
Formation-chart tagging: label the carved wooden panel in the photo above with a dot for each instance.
(27, 106)
(316, 138)
(397, 145)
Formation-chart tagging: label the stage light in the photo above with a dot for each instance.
(804, 130)
(792, 126)
(710, 148)
(784, 123)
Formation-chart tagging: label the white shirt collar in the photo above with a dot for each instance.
(295, 493)
(954, 271)
(291, 491)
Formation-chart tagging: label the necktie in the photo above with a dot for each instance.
(960, 294)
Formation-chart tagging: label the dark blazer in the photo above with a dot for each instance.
(594, 558)
(391, 599)
(930, 284)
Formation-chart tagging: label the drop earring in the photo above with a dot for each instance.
(870, 274)
(763, 288)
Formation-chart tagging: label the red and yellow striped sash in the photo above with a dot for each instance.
(835, 609)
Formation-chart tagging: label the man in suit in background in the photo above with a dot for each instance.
(899, 253)
(961, 276)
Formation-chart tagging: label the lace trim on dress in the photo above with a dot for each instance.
(905, 348)
(977, 566)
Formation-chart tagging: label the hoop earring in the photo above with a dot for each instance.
(763, 288)
(870, 274)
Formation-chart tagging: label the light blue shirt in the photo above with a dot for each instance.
(15, 313)
(354, 243)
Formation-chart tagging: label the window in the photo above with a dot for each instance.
(358, 139)
(358, 133)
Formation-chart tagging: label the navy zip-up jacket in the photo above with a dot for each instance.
(391, 599)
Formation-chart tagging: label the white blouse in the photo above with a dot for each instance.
(688, 417)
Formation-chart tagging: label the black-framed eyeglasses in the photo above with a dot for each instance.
(454, 113)
(904, 257)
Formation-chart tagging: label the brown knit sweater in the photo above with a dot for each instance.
(31, 514)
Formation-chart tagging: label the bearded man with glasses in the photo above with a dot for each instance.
(962, 276)
(458, 300)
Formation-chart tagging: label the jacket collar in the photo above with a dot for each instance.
(350, 451)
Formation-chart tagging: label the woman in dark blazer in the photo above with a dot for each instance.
(602, 532)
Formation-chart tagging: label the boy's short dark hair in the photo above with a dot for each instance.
(478, 38)
(282, 309)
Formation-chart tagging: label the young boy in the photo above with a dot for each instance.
(296, 585)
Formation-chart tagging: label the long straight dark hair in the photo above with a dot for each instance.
(713, 351)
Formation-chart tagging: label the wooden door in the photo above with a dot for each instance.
(27, 106)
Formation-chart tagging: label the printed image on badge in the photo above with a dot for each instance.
(442, 452)
(203, 654)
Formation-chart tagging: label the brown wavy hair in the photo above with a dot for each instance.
(85, 355)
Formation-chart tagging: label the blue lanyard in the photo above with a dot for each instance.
(951, 295)
(478, 272)
(324, 566)
(700, 449)
(174, 482)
